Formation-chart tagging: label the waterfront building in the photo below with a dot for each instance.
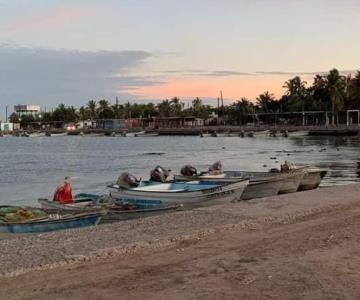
(175, 122)
(5, 126)
(27, 110)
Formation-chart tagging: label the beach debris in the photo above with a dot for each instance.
(153, 153)
(330, 237)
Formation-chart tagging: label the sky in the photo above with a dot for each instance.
(70, 52)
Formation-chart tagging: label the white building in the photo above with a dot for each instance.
(27, 110)
(6, 126)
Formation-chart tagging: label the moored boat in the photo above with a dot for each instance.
(146, 134)
(193, 193)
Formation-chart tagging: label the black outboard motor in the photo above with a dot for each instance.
(216, 167)
(127, 181)
(159, 174)
(188, 170)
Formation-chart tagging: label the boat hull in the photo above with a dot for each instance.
(261, 189)
(291, 182)
(217, 195)
(68, 222)
(311, 179)
(145, 210)
(262, 184)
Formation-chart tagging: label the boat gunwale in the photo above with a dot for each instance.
(182, 191)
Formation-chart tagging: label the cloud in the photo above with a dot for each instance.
(44, 21)
(343, 72)
(52, 76)
(228, 73)
(199, 72)
(225, 73)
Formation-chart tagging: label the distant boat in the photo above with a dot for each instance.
(58, 134)
(33, 135)
(146, 134)
(190, 193)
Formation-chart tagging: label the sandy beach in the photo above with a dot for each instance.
(295, 246)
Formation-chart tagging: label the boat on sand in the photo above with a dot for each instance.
(114, 211)
(192, 194)
(15, 219)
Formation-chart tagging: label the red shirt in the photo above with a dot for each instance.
(63, 193)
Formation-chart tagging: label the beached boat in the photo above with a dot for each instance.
(262, 184)
(189, 194)
(258, 186)
(312, 178)
(114, 212)
(46, 222)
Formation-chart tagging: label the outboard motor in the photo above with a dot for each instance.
(159, 174)
(127, 181)
(188, 170)
(286, 167)
(217, 167)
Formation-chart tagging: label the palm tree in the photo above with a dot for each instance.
(336, 87)
(176, 106)
(353, 90)
(296, 92)
(164, 108)
(265, 102)
(91, 106)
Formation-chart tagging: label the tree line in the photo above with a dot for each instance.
(329, 92)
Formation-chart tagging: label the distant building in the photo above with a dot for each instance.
(27, 110)
(177, 122)
(110, 124)
(9, 126)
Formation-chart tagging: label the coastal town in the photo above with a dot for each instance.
(332, 101)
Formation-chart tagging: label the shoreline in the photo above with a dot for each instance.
(51, 250)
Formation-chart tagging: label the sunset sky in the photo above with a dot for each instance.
(54, 51)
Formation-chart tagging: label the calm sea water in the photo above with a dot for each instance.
(32, 167)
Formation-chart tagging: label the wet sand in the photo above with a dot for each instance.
(297, 246)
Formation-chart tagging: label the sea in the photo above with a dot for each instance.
(31, 168)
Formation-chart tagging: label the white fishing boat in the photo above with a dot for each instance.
(299, 133)
(312, 178)
(37, 134)
(192, 194)
(58, 134)
(146, 134)
(262, 184)
(206, 134)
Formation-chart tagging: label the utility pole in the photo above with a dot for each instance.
(218, 111)
(6, 114)
(222, 106)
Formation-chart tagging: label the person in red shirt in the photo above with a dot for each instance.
(63, 192)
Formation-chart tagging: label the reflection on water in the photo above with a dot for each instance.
(32, 167)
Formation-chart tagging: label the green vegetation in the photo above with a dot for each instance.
(330, 92)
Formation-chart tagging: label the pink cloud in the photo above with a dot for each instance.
(233, 87)
(47, 20)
